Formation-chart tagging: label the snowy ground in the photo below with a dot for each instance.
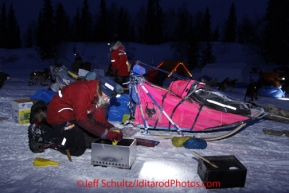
(266, 157)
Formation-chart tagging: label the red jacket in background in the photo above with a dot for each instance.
(119, 62)
(74, 102)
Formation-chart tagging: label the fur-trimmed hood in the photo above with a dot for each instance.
(117, 46)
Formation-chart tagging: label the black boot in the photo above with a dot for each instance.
(35, 139)
(42, 137)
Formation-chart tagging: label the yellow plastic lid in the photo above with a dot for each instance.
(44, 162)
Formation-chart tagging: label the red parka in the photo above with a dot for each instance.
(75, 102)
(119, 62)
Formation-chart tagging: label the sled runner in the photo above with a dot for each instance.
(238, 128)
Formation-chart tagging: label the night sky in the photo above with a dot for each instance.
(27, 10)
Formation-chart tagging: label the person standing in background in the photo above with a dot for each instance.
(120, 66)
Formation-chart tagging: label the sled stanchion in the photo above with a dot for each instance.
(161, 109)
(141, 111)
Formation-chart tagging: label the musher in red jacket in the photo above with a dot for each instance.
(120, 67)
(80, 107)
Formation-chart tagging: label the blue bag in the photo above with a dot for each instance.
(45, 95)
(118, 107)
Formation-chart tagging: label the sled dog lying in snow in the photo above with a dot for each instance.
(39, 76)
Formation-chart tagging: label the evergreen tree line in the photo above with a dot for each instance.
(9, 28)
(190, 34)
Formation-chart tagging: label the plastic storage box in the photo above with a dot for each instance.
(21, 110)
(230, 172)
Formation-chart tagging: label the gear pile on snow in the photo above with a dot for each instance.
(277, 114)
(275, 110)
(189, 142)
(276, 132)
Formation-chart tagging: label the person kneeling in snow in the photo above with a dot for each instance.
(78, 110)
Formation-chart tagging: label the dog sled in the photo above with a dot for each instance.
(186, 106)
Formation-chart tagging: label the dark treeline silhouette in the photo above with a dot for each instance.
(189, 34)
(9, 28)
(276, 32)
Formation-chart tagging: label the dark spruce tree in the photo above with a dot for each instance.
(123, 28)
(246, 31)
(231, 25)
(102, 30)
(205, 34)
(132, 32)
(75, 26)
(216, 34)
(182, 27)
(198, 20)
(62, 25)
(46, 31)
(85, 24)
(153, 28)
(149, 22)
(277, 32)
(113, 13)
(207, 56)
(3, 27)
(13, 31)
(192, 51)
(170, 20)
(185, 41)
(181, 34)
(140, 28)
(29, 41)
(159, 37)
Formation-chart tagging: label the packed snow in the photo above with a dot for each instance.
(266, 157)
